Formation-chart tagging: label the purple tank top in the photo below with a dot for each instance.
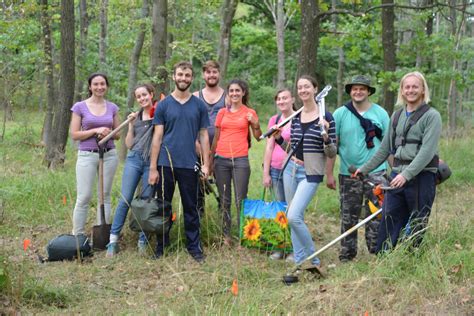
(89, 121)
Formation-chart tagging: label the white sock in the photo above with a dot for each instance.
(113, 238)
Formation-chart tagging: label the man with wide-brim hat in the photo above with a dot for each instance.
(359, 80)
(360, 126)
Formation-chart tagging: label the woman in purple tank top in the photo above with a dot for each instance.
(92, 119)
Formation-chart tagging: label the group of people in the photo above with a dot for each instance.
(214, 127)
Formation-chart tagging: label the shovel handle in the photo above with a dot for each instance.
(114, 131)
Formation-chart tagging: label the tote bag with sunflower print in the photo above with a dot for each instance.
(264, 225)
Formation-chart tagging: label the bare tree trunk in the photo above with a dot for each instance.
(340, 62)
(228, 9)
(389, 58)
(429, 32)
(309, 38)
(84, 30)
(55, 153)
(159, 36)
(132, 74)
(48, 72)
(456, 33)
(280, 40)
(103, 35)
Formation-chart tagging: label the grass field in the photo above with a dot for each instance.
(36, 204)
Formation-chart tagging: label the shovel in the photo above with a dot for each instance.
(101, 232)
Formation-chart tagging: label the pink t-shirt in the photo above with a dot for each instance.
(278, 154)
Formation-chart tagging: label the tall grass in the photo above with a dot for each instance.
(434, 279)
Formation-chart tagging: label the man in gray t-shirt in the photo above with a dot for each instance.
(213, 97)
(212, 94)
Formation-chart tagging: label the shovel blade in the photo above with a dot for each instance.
(100, 236)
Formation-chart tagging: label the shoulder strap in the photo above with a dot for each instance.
(278, 118)
(412, 120)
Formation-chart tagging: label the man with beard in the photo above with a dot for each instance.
(360, 126)
(213, 97)
(179, 120)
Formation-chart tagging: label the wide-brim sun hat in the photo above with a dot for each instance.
(360, 80)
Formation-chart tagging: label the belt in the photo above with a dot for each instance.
(97, 150)
(297, 161)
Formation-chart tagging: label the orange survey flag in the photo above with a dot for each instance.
(26, 244)
(235, 287)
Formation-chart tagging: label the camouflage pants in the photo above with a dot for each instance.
(353, 196)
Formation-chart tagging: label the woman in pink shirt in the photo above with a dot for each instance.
(275, 155)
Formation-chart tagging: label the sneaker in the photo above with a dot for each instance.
(276, 255)
(290, 258)
(198, 257)
(112, 249)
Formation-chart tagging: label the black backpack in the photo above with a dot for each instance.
(67, 247)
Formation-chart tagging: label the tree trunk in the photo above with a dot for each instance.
(228, 9)
(280, 40)
(103, 35)
(309, 38)
(48, 72)
(456, 34)
(429, 32)
(84, 28)
(55, 153)
(340, 62)
(133, 70)
(389, 61)
(159, 45)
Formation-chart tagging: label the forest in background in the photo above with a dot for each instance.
(49, 48)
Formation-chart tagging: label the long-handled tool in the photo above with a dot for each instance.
(320, 96)
(104, 140)
(292, 278)
(101, 232)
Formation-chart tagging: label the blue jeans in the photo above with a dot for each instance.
(298, 193)
(277, 184)
(135, 169)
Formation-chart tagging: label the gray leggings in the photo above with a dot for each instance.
(228, 171)
(87, 168)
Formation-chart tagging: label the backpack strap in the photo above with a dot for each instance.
(398, 141)
(278, 118)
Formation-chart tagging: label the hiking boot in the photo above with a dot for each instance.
(157, 255)
(198, 257)
(112, 250)
(290, 258)
(276, 255)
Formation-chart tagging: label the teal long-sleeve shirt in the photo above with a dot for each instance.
(427, 130)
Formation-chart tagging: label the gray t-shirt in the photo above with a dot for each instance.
(212, 110)
(141, 130)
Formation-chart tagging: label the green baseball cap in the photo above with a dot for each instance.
(361, 80)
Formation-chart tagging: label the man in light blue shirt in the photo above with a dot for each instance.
(360, 126)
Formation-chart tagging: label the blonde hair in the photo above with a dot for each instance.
(426, 91)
